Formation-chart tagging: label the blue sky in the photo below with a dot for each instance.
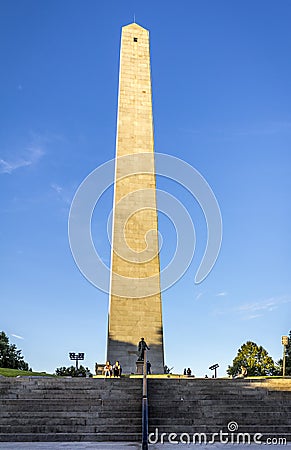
(221, 75)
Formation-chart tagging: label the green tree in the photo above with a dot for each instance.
(255, 358)
(287, 360)
(71, 371)
(10, 357)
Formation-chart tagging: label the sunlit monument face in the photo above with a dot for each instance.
(135, 298)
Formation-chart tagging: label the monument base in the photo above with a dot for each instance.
(139, 367)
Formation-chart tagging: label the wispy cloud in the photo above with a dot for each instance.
(31, 156)
(57, 188)
(199, 295)
(268, 304)
(62, 193)
(252, 316)
(221, 294)
(251, 310)
(256, 309)
(17, 336)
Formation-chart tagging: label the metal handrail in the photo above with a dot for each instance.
(145, 430)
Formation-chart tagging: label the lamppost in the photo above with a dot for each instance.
(285, 342)
(214, 367)
(76, 357)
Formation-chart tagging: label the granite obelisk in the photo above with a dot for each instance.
(135, 308)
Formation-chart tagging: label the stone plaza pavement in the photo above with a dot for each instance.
(126, 446)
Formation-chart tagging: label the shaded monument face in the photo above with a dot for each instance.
(135, 298)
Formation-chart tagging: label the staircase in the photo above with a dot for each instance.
(70, 409)
(206, 406)
(73, 409)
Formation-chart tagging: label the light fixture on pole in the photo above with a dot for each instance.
(76, 357)
(285, 342)
(214, 367)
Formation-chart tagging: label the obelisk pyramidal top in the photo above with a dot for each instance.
(135, 308)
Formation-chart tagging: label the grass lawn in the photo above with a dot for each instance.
(15, 373)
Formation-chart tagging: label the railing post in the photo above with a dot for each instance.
(144, 405)
(144, 386)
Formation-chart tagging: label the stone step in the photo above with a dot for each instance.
(19, 403)
(218, 421)
(160, 411)
(85, 420)
(70, 437)
(215, 422)
(74, 391)
(186, 404)
(70, 428)
(76, 410)
(83, 385)
(216, 415)
(160, 391)
(223, 388)
(80, 396)
(98, 387)
(190, 421)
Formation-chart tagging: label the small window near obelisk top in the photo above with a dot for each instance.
(135, 39)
